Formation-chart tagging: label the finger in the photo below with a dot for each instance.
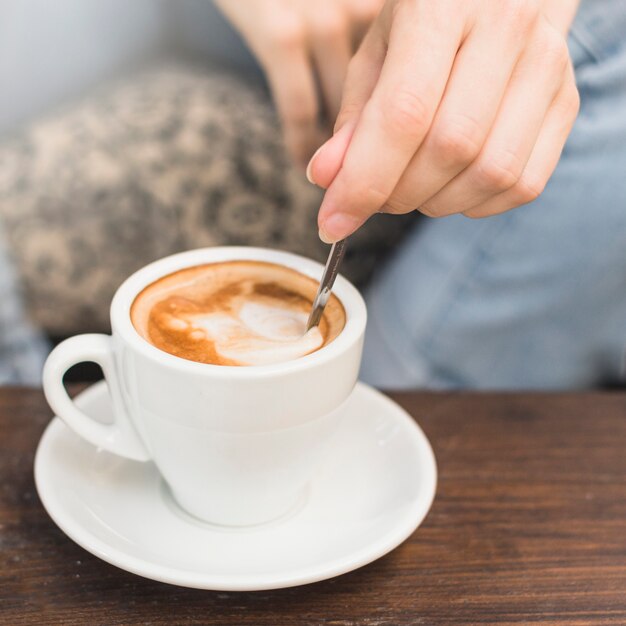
(331, 48)
(478, 81)
(363, 73)
(537, 79)
(290, 75)
(322, 171)
(395, 120)
(362, 14)
(544, 158)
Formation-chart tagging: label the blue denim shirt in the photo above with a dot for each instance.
(531, 298)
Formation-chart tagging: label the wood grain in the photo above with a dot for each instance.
(528, 527)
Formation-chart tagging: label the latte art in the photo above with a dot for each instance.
(235, 313)
(257, 334)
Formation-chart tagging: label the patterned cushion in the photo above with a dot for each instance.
(174, 158)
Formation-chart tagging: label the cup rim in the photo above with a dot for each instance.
(122, 326)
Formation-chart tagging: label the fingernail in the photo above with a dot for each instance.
(309, 176)
(337, 226)
(323, 237)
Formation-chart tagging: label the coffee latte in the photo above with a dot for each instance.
(235, 313)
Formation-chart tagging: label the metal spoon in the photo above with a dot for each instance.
(326, 284)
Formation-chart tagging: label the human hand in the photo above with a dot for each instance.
(304, 47)
(450, 106)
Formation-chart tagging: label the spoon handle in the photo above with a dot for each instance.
(326, 284)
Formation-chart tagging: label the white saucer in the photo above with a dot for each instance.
(373, 490)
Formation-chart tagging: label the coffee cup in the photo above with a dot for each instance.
(236, 445)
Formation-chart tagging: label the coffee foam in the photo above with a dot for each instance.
(235, 313)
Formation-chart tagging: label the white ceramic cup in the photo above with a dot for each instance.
(236, 445)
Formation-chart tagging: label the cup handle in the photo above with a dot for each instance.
(120, 437)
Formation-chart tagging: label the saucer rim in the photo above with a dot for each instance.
(402, 530)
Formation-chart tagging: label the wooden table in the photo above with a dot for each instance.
(528, 526)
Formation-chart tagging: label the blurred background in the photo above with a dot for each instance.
(130, 131)
(51, 52)
(133, 130)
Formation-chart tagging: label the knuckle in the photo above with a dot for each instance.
(287, 32)
(399, 205)
(375, 196)
(554, 52)
(430, 210)
(521, 12)
(549, 48)
(476, 213)
(457, 141)
(337, 24)
(367, 197)
(407, 113)
(529, 189)
(499, 172)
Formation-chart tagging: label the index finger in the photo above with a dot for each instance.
(422, 46)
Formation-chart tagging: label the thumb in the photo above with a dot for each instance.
(362, 76)
(326, 162)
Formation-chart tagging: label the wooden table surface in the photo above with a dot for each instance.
(528, 526)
